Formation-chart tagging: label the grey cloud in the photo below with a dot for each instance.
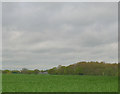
(43, 35)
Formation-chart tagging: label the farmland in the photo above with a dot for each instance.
(58, 83)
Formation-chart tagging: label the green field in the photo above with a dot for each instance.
(58, 83)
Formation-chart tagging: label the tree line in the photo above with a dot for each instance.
(23, 71)
(86, 68)
(79, 68)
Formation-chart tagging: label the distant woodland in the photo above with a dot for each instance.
(80, 68)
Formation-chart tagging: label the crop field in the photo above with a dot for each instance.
(58, 83)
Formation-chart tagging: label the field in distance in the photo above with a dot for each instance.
(58, 83)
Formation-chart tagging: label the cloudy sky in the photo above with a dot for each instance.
(45, 35)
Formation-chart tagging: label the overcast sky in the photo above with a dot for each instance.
(45, 35)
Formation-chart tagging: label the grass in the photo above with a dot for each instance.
(58, 83)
